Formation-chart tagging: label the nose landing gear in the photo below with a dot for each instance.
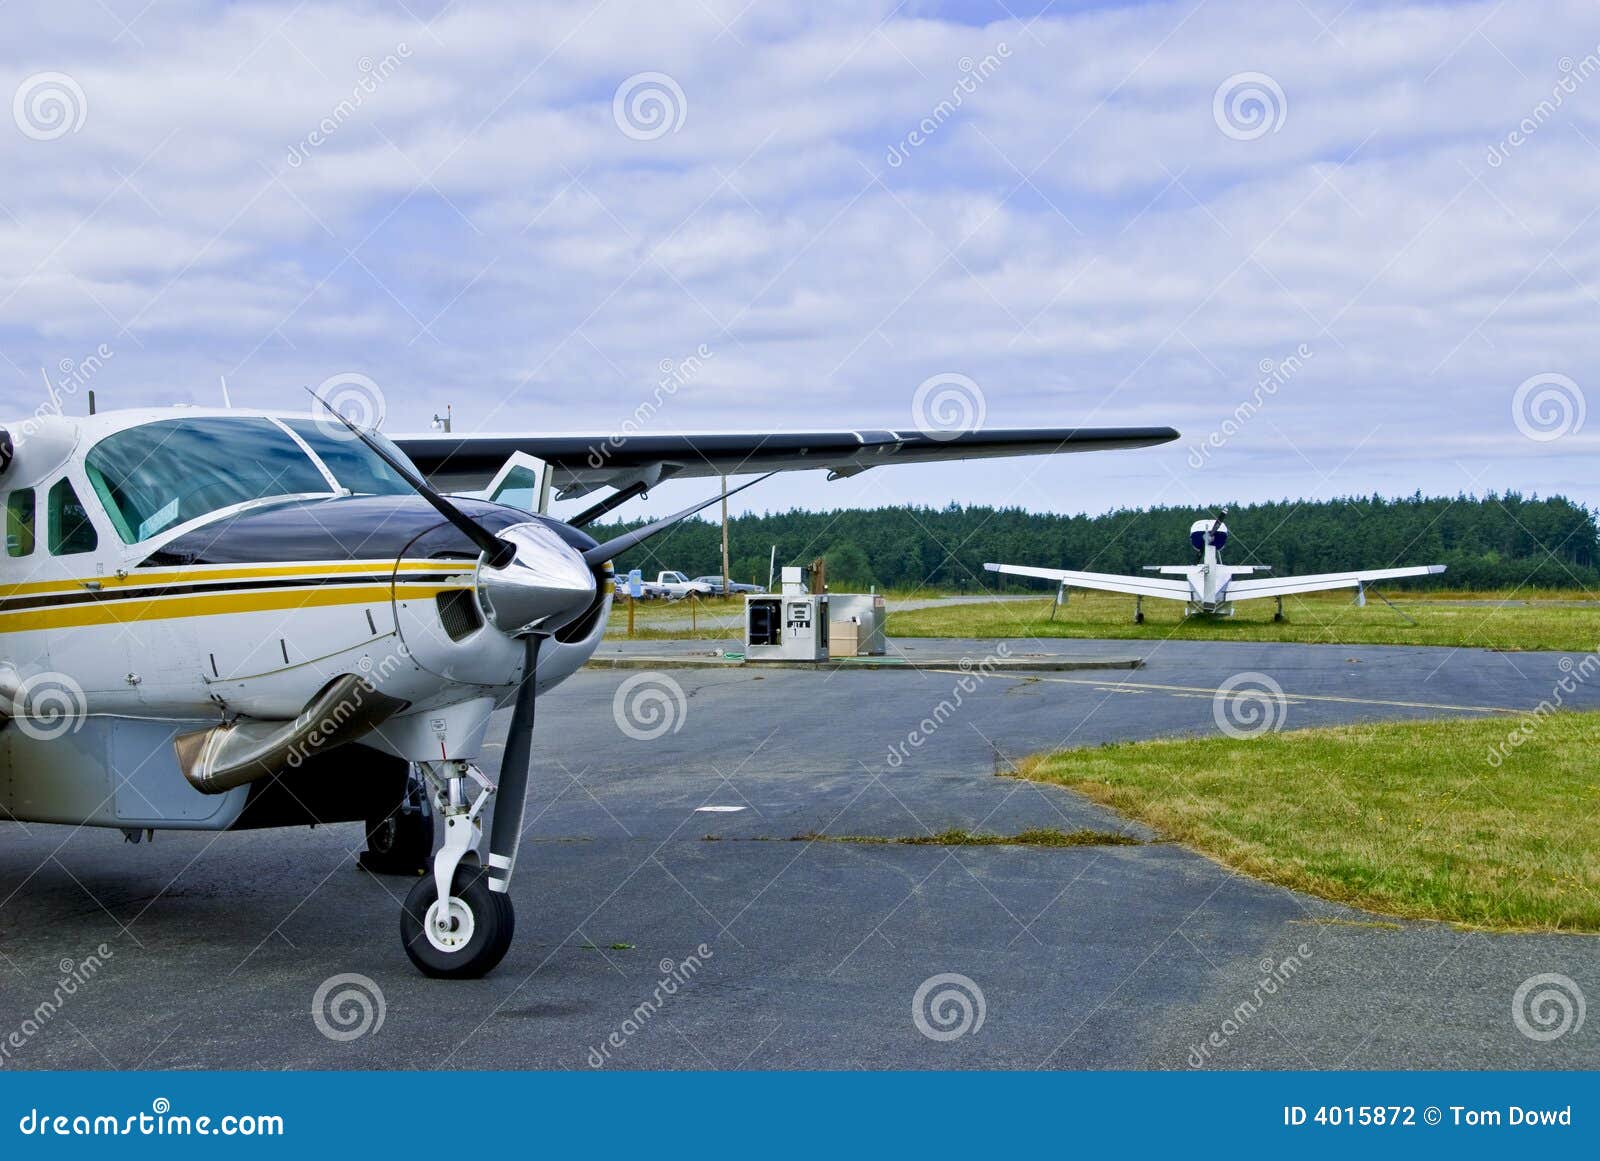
(454, 925)
(457, 922)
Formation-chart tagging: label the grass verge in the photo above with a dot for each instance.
(1405, 818)
(1549, 620)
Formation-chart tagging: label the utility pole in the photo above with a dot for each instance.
(727, 580)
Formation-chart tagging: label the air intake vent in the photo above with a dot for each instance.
(458, 613)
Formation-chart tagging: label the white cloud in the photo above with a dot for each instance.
(1078, 236)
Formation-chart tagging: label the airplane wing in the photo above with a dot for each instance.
(1139, 586)
(582, 463)
(1282, 586)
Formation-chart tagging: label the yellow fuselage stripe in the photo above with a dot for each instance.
(210, 604)
(202, 573)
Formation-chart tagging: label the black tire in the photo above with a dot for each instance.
(493, 924)
(399, 843)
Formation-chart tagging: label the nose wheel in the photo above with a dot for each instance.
(463, 936)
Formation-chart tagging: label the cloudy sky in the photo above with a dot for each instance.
(1097, 214)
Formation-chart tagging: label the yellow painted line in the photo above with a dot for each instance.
(210, 604)
(200, 573)
(1252, 693)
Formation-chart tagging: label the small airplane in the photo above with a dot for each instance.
(224, 619)
(1208, 586)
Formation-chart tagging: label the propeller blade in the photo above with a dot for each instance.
(616, 546)
(511, 793)
(498, 552)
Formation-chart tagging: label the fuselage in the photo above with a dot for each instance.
(1209, 578)
(206, 565)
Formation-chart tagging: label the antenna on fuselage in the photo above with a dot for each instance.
(50, 389)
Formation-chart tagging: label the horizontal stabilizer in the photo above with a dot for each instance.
(1283, 586)
(1138, 586)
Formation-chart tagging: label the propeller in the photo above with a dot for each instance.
(505, 832)
(511, 794)
(1221, 514)
(497, 552)
(617, 545)
(526, 606)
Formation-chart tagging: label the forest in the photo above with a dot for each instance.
(1489, 542)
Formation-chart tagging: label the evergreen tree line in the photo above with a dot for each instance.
(1496, 541)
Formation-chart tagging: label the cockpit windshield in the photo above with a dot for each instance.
(351, 461)
(162, 474)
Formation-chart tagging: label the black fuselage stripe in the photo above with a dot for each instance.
(50, 600)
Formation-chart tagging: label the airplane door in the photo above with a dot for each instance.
(523, 481)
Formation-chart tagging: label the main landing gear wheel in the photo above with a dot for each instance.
(399, 843)
(464, 938)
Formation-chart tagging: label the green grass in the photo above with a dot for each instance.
(1408, 819)
(1327, 618)
(720, 619)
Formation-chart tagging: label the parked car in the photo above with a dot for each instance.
(721, 588)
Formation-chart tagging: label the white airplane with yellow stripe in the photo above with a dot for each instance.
(229, 619)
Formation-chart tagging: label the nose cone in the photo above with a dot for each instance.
(546, 586)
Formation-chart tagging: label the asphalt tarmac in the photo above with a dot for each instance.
(669, 916)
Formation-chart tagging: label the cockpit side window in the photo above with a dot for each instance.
(70, 529)
(162, 474)
(19, 522)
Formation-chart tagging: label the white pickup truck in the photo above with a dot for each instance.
(675, 586)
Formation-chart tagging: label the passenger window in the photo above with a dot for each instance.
(70, 530)
(19, 522)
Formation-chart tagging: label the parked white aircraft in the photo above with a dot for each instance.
(1208, 586)
(226, 619)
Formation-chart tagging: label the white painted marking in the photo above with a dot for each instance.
(718, 809)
